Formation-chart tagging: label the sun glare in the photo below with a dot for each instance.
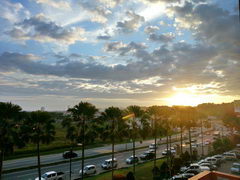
(186, 99)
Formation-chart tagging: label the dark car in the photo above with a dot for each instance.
(147, 156)
(69, 154)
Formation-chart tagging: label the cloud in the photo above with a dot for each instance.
(131, 24)
(12, 12)
(55, 3)
(41, 29)
(163, 38)
(122, 48)
(97, 11)
(151, 29)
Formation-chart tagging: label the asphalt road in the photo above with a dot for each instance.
(32, 161)
(121, 157)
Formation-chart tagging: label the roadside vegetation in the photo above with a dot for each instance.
(84, 126)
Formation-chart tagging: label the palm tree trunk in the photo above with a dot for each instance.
(190, 143)
(134, 155)
(38, 156)
(134, 131)
(113, 147)
(181, 139)
(1, 162)
(155, 141)
(83, 145)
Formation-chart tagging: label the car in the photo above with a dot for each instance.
(230, 156)
(52, 175)
(69, 154)
(220, 158)
(211, 166)
(131, 159)
(88, 170)
(107, 164)
(153, 146)
(194, 145)
(199, 168)
(183, 176)
(192, 171)
(171, 151)
(213, 161)
(235, 168)
(147, 156)
(237, 152)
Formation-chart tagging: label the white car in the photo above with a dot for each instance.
(153, 146)
(198, 167)
(212, 160)
(108, 164)
(235, 168)
(230, 156)
(88, 170)
(52, 175)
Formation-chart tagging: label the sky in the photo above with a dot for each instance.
(56, 53)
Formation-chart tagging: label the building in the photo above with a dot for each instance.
(214, 175)
(237, 107)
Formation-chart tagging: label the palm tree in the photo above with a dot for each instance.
(10, 129)
(191, 121)
(112, 115)
(137, 113)
(180, 122)
(41, 129)
(82, 113)
(71, 134)
(153, 111)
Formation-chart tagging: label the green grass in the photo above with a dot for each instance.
(143, 171)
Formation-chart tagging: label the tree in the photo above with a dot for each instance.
(113, 115)
(155, 114)
(191, 121)
(41, 129)
(82, 113)
(11, 133)
(180, 122)
(137, 114)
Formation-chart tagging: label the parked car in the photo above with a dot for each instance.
(147, 156)
(211, 166)
(131, 159)
(198, 167)
(192, 171)
(69, 154)
(230, 156)
(235, 168)
(107, 164)
(219, 157)
(153, 146)
(183, 176)
(213, 161)
(88, 170)
(52, 175)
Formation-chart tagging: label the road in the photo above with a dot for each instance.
(121, 157)
(46, 159)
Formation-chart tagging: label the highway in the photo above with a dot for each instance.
(121, 157)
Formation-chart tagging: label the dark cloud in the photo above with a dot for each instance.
(42, 29)
(163, 38)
